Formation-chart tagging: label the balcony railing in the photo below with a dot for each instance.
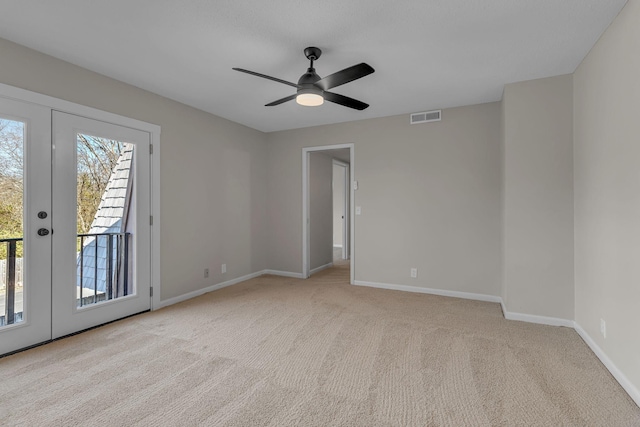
(102, 266)
(10, 316)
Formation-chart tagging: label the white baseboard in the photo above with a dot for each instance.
(322, 267)
(283, 273)
(532, 318)
(543, 320)
(193, 294)
(626, 384)
(440, 292)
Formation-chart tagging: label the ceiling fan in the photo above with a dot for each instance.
(313, 90)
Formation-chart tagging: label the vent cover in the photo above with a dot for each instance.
(426, 117)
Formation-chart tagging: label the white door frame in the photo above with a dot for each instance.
(345, 208)
(306, 251)
(93, 113)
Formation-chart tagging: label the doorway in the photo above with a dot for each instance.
(310, 233)
(74, 223)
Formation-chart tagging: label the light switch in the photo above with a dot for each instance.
(358, 210)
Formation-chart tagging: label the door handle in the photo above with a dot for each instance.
(43, 232)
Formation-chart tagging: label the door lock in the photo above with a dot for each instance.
(42, 214)
(43, 232)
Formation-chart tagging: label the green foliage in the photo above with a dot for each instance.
(10, 226)
(96, 159)
(10, 183)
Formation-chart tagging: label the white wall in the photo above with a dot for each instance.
(538, 197)
(430, 198)
(213, 190)
(338, 204)
(607, 193)
(320, 210)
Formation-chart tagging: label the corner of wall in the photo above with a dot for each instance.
(537, 198)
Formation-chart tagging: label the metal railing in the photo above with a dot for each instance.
(112, 257)
(9, 316)
(116, 266)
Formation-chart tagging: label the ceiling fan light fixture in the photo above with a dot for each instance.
(309, 99)
(312, 90)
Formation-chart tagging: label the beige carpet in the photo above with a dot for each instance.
(284, 352)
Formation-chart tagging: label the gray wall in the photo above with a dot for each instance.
(320, 210)
(213, 191)
(430, 197)
(607, 192)
(338, 204)
(538, 197)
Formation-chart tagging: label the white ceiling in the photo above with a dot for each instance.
(428, 54)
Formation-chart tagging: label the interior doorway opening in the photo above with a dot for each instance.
(318, 208)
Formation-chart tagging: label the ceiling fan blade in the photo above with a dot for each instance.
(264, 76)
(345, 100)
(280, 101)
(345, 76)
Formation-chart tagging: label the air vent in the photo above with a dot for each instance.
(426, 117)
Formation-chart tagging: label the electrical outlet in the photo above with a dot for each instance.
(224, 268)
(603, 328)
(414, 273)
(206, 273)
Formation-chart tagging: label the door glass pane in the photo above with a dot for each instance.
(104, 219)
(11, 221)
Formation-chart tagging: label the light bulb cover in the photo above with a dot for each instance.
(309, 99)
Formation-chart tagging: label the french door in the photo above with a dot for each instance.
(101, 273)
(80, 255)
(25, 256)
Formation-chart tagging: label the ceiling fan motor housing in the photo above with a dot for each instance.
(307, 82)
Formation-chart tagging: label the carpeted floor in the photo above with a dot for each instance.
(275, 351)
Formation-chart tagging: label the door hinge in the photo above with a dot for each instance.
(150, 291)
(151, 220)
(150, 148)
